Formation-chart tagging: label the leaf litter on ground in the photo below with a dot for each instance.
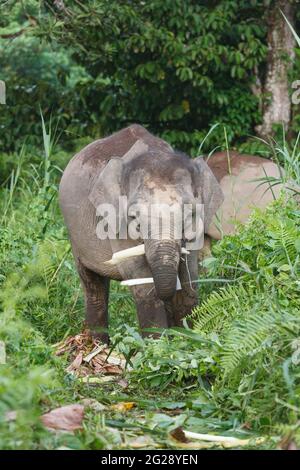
(89, 359)
(94, 363)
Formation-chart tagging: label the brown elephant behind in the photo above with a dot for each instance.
(240, 177)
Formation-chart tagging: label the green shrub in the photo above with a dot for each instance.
(243, 350)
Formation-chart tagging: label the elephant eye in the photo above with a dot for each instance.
(102, 219)
(133, 219)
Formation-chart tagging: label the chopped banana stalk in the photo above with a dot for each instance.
(145, 280)
(223, 440)
(138, 250)
(94, 353)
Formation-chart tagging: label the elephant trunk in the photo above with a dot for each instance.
(163, 258)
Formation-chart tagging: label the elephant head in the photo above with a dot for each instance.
(153, 180)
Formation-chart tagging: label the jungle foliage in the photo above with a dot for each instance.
(235, 370)
(176, 67)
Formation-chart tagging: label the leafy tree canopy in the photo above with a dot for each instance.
(175, 66)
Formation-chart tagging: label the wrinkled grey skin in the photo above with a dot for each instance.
(134, 163)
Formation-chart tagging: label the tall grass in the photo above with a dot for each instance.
(287, 158)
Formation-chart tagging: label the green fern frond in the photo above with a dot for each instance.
(221, 306)
(283, 242)
(245, 336)
(242, 316)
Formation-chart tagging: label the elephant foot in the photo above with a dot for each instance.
(99, 336)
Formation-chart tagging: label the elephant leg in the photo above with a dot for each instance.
(187, 298)
(150, 309)
(96, 290)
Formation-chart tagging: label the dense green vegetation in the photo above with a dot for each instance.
(176, 67)
(235, 371)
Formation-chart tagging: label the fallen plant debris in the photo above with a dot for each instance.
(89, 358)
(97, 380)
(65, 418)
(122, 407)
(225, 441)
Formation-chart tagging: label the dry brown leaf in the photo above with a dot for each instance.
(89, 358)
(67, 418)
(97, 361)
(123, 406)
(63, 346)
(178, 434)
(108, 369)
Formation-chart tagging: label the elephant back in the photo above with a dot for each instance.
(119, 144)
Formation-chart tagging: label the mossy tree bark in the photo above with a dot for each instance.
(276, 102)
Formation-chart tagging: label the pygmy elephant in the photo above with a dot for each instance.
(247, 182)
(144, 169)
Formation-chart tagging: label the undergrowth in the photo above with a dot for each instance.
(236, 371)
(243, 350)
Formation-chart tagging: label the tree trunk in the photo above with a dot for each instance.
(276, 104)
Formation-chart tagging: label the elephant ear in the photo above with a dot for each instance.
(209, 191)
(107, 186)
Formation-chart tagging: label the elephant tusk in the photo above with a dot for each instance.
(137, 282)
(119, 256)
(138, 250)
(146, 280)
